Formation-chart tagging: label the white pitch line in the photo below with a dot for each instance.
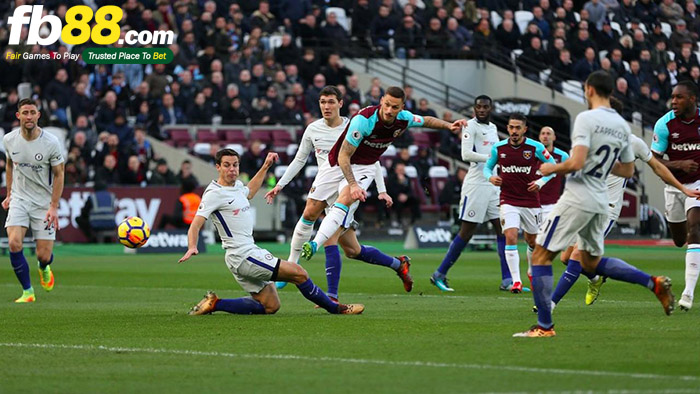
(361, 361)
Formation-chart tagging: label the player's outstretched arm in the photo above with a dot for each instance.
(295, 166)
(8, 175)
(435, 123)
(57, 189)
(573, 164)
(665, 174)
(193, 238)
(681, 165)
(257, 181)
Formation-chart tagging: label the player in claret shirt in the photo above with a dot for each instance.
(518, 158)
(550, 193)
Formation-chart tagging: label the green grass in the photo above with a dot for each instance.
(118, 323)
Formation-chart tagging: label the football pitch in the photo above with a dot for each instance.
(118, 323)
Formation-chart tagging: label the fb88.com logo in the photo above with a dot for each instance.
(105, 32)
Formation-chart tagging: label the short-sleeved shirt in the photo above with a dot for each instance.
(518, 166)
(230, 211)
(480, 138)
(680, 140)
(318, 138)
(32, 175)
(551, 191)
(617, 184)
(371, 136)
(606, 135)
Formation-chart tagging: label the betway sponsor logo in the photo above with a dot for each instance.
(145, 208)
(376, 145)
(435, 235)
(513, 169)
(686, 146)
(167, 240)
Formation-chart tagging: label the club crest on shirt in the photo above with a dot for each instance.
(527, 155)
(38, 157)
(398, 132)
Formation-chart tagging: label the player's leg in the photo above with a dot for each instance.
(510, 219)
(542, 293)
(44, 253)
(530, 219)
(679, 233)
(334, 264)
(506, 277)
(675, 212)
(15, 236)
(692, 259)
(459, 242)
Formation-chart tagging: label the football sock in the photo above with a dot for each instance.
(21, 267)
(501, 242)
(372, 255)
(43, 265)
(312, 293)
(513, 260)
(456, 247)
(240, 306)
(620, 270)
(567, 280)
(331, 223)
(333, 266)
(692, 268)
(542, 292)
(529, 260)
(302, 233)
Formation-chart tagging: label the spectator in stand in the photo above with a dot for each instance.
(541, 22)
(635, 78)
(423, 161)
(686, 60)
(362, 18)
(587, 65)
(58, 93)
(142, 147)
(532, 60)
(605, 65)
(354, 91)
(83, 126)
(107, 173)
(692, 19)
(310, 66)
(639, 43)
(645, 64)
(235, 113)
(353, 109)
(335, 71)
(134, 174)
(200, 112)
(424, 109)
(281, 84)
(436, 40)
(659, 56)
(186, 175)
(460, 38)
(312, 96)
(451, 192)
(247, 90)
(252, 159)
(310, 32)
(657, 34)
(261, 112)
(401, 191)
(680, 36)
(157, 80)
(530, 31)
(409, 39)
(581, 42)
(450, 143)
(141, 95)
(555, 48)
(80, 103)
(670, 11)
(287, 52)
(597, 13)
(290, 115)
(507, 35)
(76, 169)
(562, 69)
(169, 113)
(694, 75)
(335, 35)
(162, 175)
(607, 38)
(646, 11)
(382, 29)
(8, 120)
(623, 94)
(616, 61)
(663, 86)
(409, 103)
(122, 130)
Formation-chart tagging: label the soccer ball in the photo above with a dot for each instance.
(133, 232)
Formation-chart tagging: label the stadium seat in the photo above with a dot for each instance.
(180, 137)
(421, 139)
(411, 172)
(275, 41)
(237, 147)
(544, 75)
(642, 26)
(573, 89)
(279, 171)
(201, 148)
(438, 178)
(310, 172)
(292, 150)
(602, 54)
(413, 150)
(232, 136)
(263, 135)
(281, 137)
(342, 17)
(616, 26)
(496, 19)
(671, 55)
(206, 135)
(666, 29)
(577, 16)
(522, 18)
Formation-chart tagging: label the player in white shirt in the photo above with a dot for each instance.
(226, 202)
(616, 189)
(319, 137)
(34, 187)
(480, 199)
(599, 138)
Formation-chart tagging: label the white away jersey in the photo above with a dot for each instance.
(32, 175)
(616, 184)
(319, 138)
(477, 141)
(229, 209)
(606, 134)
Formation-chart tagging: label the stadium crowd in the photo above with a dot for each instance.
(264, 62)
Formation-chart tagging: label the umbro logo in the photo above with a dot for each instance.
(503, 155)
(675, 135)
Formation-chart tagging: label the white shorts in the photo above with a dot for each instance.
(31, 216)
(675, 205)
(567, 225)
(546, 209)
(519, 217)
(254, 269)
(479, 203)
(330, 181)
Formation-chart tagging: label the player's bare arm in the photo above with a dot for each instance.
(575, 163)
(435, 123)
(257, 181)
(625, 170)
(51, 218)
(682, 165)
(8, 175)
(665, 174)
(346, 152)
(193, 237)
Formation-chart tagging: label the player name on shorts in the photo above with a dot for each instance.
(687, 146)
(513, 169)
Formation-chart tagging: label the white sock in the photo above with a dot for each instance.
(302, 233)
(529, 261)
(331, 223)
(692, 268)
(513, 260)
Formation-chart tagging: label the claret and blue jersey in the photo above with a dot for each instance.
(680, 140)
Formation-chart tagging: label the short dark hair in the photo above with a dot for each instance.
(518, 116)
(330, 90)
(602, 83)
(483, 97)
(690, 86)
(397, 92)
(616, 104)
(26, 101)
(225, 152)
